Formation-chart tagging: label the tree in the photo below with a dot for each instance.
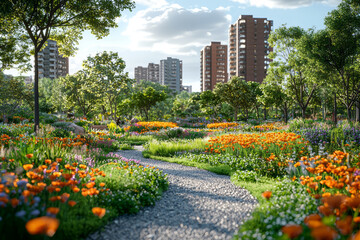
(147, 98)
(13, 93)
(79, 92)
(36, 21)
(337, 49)
(110, 81)
(235, 92)
(293, 67)
(210, 103)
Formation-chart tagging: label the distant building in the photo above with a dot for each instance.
(171, 73)
(153, 72)
(141, 73)
(249, 47)
(187, 89)
(213, 66)
(51, 64)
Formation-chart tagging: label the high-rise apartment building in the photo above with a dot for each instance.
(51, 63)
(171, 73)
(213, 65)
(249, 47)
(140, 73)
(153, 72)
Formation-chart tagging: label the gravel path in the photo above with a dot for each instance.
(198, 205)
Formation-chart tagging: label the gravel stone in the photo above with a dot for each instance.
(198, 205)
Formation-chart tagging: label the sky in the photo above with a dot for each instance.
(157, 29)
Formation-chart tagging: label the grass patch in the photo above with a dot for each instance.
(137, 140)
(257, 188)
(169, 148)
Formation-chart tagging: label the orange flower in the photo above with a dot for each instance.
(48, 161)
(30, 155)
(344, 225)
(58, 159)
(14, 202)
(100, 212)
(323, 233)
(102, 184)
(267, 194)
(71, 203)
(42, 225)
(53, 210)
(292, 231)
(27, 167)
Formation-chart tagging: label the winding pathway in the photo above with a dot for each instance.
(198, 205)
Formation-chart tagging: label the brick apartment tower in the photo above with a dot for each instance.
(249, 47)
(51, 64)
(213, 65)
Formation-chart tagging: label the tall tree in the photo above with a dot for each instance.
(292, 65)
(235, 92)
(107, 70)
(337, 49)
(79, 92)
(36, 21)
(147, 98)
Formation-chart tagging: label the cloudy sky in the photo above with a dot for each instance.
(157, 29)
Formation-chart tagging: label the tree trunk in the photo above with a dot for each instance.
(285, 114)
(334, 112)
(235, 114)
(265, 113)
(357, 111)
(303, 110)
(36, 93)
(348, 113)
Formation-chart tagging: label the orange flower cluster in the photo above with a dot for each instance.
(152, 126)
(4, 139)
(331, 173)
(333, 181)
(262, 141)
(267, 127)
(221, 125)
(54, 183)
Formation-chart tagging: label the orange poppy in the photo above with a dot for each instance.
(30, 155)
(53, 210)
(292, 230)
(72, 203)
(267, 194)
(42, 225)
(100, 212)
(27, 167)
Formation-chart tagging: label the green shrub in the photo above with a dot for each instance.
(60, 133)
(290, 203)
(245, 175)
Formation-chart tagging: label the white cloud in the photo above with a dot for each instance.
(175, 30)
(286, 4)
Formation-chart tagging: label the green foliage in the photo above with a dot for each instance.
(246, 176)
(171, 147)
(127, 181)
(179, 133)
(145, 99)
(290, 203)
(60, 133)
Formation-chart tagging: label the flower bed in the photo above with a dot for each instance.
(65, 188)
(221, 125)
(143, 127)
